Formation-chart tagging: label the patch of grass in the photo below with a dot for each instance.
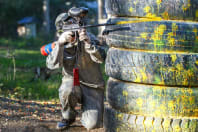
(23, 58)
(22, 83)
(26, 43)
(30, 89)
(25, 85)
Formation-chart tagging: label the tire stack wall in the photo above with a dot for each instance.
(152, 65)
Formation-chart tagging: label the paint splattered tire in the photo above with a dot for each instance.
(161, 68)
(152, 100)
(155, 35)
(166, 9)
(115, 121)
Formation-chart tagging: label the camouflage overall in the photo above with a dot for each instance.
(91, 88)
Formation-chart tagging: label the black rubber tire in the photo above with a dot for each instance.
(155, 36)
(115, 121)
(161, 68)
(166, 9)
(152, 100)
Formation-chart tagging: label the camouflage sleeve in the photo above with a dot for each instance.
(93, 49)
(55, 58)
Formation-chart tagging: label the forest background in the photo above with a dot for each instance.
(23, 73)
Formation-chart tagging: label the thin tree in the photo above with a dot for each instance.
(46, 11)
(100, 14)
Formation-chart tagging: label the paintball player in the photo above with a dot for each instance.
(79, 55)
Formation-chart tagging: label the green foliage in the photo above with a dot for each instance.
(27, 43)
(14, 10)
(25, 85)
(24, 58)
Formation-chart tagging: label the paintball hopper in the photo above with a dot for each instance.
(78, 12)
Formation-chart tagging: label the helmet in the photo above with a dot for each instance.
(59, 22)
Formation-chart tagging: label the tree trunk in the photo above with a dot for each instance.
(100, 9)
(100, 14)
(46, 11)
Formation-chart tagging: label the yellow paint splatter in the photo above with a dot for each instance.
(160, 30)
(139, 102)
(195, 30)
(171, 35)
(150, 15)
(147, 9)
(196, 33)
(138, 79)
(144, 35)
(158, 35)
(157, 112)
(125, 93)
(196, 14)
(179, 67)
(171, 39)
(174, 27)
(184, 100)
(143, 73)
(187, 6)
(165, 15)
(135, 2)
(192, 100)
(117, 129)
(182, 73)
(174, 58)
(176, 128)
(196, 62)
(131, 9)
(139, 20)
(171, 105)
(120, 116)
(190, 91)
(159, 2)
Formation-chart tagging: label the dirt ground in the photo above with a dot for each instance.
(34, 116)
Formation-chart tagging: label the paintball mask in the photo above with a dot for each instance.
(74, 18)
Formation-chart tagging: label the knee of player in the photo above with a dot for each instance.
(90, 119)
(90, 124)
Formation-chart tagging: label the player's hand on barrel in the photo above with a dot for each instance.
(83, 36)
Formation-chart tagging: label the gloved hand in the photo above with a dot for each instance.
(66, 37)
(83, 36)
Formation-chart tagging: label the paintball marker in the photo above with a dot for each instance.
(78, 15)
(76, 21)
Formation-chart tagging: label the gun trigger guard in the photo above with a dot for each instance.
(105, 32)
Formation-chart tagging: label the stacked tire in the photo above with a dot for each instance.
(152, 65)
